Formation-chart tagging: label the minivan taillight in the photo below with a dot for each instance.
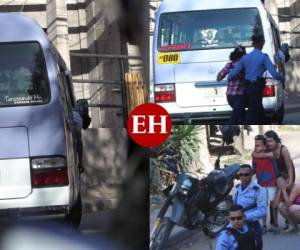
(50, 177)
(269, 91)
(164, 93)
(49, 171)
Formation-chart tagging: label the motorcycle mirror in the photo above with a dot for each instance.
(228, 132)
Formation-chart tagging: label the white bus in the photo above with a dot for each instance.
(192, 43)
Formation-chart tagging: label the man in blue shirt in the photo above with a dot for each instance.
(254, 65)
(237, 235)
(253, 198)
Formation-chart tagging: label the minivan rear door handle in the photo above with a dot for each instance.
(210, 84)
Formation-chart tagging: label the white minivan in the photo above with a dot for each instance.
(192, 43)
(39, 173)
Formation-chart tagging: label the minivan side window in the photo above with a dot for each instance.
(275, 38)
(65, 99)
(23, 75)
(68, 88)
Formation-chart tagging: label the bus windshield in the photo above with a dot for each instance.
(208, 29)
(23, 74)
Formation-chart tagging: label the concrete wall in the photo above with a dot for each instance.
(281, 11)
(290, 24)
(271, 6)
(103, 37)
(57, 27)
(284, 20)
(295, 27)
(154, 4)
(33, 8)
(105, 156)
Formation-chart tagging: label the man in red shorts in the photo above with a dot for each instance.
(266, 171)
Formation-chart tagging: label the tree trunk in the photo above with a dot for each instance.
(261, 129)
(203, 151)
(239, 142)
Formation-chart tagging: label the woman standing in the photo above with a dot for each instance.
(235, 89)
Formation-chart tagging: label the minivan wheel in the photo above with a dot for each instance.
(74, 216)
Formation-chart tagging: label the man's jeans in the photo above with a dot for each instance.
(256, 227)
(253, 100)
(237, 104)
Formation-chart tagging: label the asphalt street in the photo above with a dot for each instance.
(96, 224)
(292, 109)
(93, 234)
(95, 228)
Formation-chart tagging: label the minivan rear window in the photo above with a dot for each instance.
(23, 74)
(208, 29)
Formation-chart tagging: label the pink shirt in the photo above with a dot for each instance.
(234, 86)
(297, 200)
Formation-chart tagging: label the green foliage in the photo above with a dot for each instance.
(184, 138)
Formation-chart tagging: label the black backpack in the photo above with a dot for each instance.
(286, 51)
(228, 132)
(82, 107)
(245, 241)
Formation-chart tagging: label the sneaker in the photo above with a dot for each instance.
(264, 230)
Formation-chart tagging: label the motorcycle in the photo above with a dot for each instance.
(196, 203)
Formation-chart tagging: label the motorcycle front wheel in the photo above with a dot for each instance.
(162, 234)
(218, 220)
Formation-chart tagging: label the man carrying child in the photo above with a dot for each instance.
(266, 171)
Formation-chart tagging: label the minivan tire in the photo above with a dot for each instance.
(74, 216)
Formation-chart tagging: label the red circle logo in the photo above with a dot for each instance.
(149, 125)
